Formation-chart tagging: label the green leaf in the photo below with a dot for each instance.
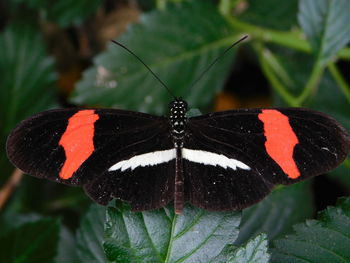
(27, 79)
(90, 236)
(278, 212)
(10, 220)
(326, 25)
(175, 50)
(271, 14)
(193, 112)
(31, 243)
(292, 70)
(27, 74)
(67, 247)
(64, 12)
(255, 251)
(161, 236)
(324, 240)
(341, 175)
(331, 100)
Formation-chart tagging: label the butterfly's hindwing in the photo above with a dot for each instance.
(143, 187)
(135, 173)
(216, 183)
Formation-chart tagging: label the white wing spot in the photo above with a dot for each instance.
(214, 159)
(146, 159)
(196, 156)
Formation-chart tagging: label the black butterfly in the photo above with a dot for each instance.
(219, 161)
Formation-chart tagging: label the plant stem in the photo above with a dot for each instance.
(312, 83)
(292, 40)
(265, 61)
(161, 4)
(340, 80)
(344, 53)
(225, 7)
(9, 187)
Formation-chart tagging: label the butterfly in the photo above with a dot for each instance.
(218, 161)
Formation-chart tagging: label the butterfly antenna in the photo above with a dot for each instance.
(216, 60)
(147, 67)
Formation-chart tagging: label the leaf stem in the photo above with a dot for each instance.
(345, 88)
(344, 53)
(10, 185)
(225, 7)
(265, 58)
(161, 4)
(292, 39)
(312, 83)
(167, 258)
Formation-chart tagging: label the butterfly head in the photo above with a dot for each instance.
(178, 104)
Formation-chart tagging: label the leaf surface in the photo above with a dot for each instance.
(161, 236)
(277, 213)
(64, 12)
(67, 247)
(255, 251)
(90, 235)
(27, 80)
(324, 240)
(326, 25)
(175, 50)
(31, 243)
(271, 14)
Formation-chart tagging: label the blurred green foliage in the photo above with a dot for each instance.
(55, 54)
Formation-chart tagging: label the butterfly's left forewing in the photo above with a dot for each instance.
(79, 146)
(275, 146)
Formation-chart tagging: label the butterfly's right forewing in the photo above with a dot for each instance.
(276, 146)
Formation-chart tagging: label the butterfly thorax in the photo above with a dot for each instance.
(178, 119)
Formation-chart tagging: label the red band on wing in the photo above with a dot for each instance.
(280, 141)
(77, 141)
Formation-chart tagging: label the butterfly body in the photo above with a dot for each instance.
(217, 161)
(178, 120)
